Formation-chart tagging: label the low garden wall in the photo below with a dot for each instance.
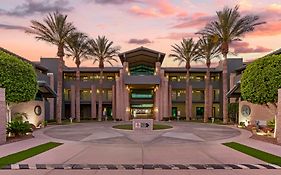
(2, 116)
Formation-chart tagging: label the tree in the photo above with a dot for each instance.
(102, 51)
(55, 29)
(77, 46)
(186, 52)
(261, 80)
(229, 26)
(207, 51)
(18, 78)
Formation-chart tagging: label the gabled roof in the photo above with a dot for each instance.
(142, 55)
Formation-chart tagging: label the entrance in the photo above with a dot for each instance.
(142, 113)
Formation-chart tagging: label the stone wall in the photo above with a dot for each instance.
(258, 112)
(2, 116)
(29, 109)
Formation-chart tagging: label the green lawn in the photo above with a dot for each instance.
(22, 155)
(264, 156)
(130, 126)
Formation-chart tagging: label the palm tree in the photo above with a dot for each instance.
(102, 51)
(207, 51)
(228, 27)
(186, 52)
(55, 29)
(77, 47)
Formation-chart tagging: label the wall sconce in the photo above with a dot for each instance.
(156, 109)
(127, 109)
(98, 91)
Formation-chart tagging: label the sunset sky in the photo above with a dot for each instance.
(156, 24)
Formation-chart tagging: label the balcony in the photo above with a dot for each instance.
(141, 79)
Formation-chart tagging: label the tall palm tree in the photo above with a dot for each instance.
(186, 52)
(77, 46)
(229, 26)
(207, 51)
(55, 29)
(102, 51)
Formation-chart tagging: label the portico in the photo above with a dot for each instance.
(142, 88)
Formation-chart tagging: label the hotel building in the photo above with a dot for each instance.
(141, 87)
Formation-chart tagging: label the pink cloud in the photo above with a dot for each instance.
(178, 36)
(268, 29)
(157, 8)
(197, 20)
(244, 47)
(149, 12)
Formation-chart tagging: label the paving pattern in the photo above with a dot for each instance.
(139, 166)
(183, 132)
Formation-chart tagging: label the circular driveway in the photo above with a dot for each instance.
(182, 132)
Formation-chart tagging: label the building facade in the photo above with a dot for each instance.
(140, 88)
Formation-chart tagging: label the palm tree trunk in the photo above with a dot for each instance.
(187, 95)
(59, 84)
(100, 96)
(77, 104)
(224, 89)
(207, 95)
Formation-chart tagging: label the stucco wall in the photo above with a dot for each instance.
(28, 108)
(2, 116)
(258, 112)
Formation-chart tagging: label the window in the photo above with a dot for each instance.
(174, 78)
(66, 93)
(141, 94)
(111, 78)
(69, 76)
(198, 95)
(142, 70)
(109, 95)
(85, 94)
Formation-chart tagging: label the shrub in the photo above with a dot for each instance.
(19, 128)
(19, 116)
(271, 123)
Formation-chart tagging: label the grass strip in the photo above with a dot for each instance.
(264, 156)
(22, 155)
(130, 126)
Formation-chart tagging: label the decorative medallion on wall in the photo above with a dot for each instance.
(246, 110)
(38, 110)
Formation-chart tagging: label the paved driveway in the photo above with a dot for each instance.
(182, 132)
(185, 144)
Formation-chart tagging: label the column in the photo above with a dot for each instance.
(211, 97)
(72, 100)
(126, 92)
(3, 119)
(165, 98)
(113, 103)
(51, 100)
(231, 85)
(278, 118)
(93, 102)
(170, 101)
(190, 102)
(157, 99)
(156, 103)
(117, 98)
